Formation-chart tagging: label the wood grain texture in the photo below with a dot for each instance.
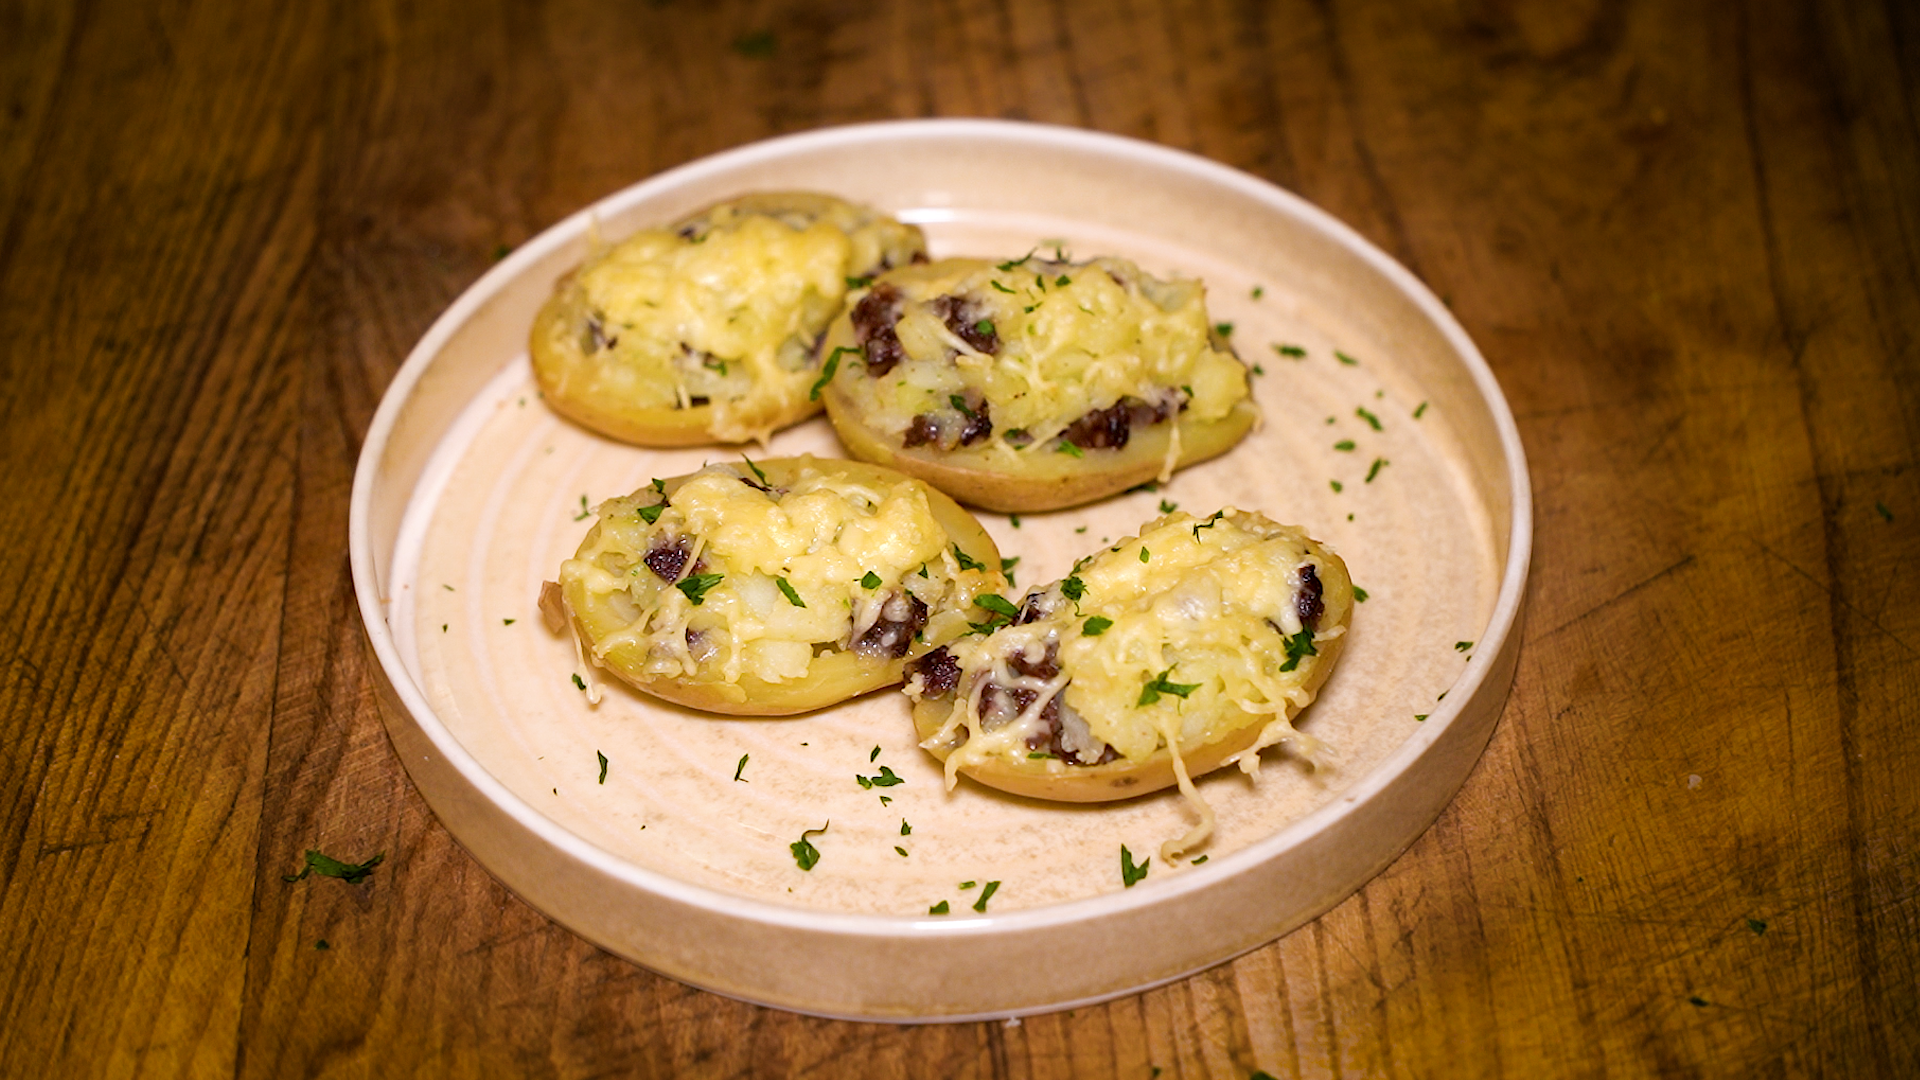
(1687, 237)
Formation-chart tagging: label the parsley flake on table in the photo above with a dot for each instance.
(1291, 352)
(804, 853)
(1420, 410)
(1344, 444)
(1344, 358)
(1131, 875)
(1372, 420)
(1374, 469)
(327, 866)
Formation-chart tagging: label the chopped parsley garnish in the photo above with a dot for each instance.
(1013, 520)
(885, 779)
(1344, 444)
(997, 604)
(1145, 555)
(757, 474)
(1014, 264)
(1884, 512)
(712, 364)
(1421, 715)
(1291, 352)
(1337, 486)
(1151, 692)
(905, 829)
(902, 851)
(578, 682)
(1419, 410)
(1372, 420)
(1258, 370)
(695, 586)
(1168, 506)
(1095, 625)
(827, 372)
(859, 282)
(740, 767)
(584, 512)
(786, 590)
(939, 908)
(804, 853)
(1374, 469)
(1259, 291)
(1006, 567)
(506, 622)
(1198, 859)
(603, 765)
(1758, 926)
(870, 581)
(1149, 486)
(960, 405)
(966, 561)
(874, 754)
(1224, 329)
(1344, 358)
(327, 866)
(984, 326)
(1462, 646)
(1130, 874)
(1359, 595)
(1068, 448)
(1073, 588)
(985, 895)
(651, 514)
(999, 287)
(1063, 281)
(1212, 520)
(1299, 646)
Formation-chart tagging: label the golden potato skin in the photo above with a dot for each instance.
(1132, 322)
(833, 675)
(1055, 780)
(706, 330)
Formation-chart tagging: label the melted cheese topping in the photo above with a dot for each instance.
(723, 310)
(1072, 338)
(822, 537)
(1197, 636)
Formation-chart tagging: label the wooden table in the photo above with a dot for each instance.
(1687, 238)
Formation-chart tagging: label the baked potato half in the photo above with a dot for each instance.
(1033, 384)
(1157, 660)
(777, 587)
(708, 330)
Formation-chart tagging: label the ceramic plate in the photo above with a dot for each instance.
(666, 835)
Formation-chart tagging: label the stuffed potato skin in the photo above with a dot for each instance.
(775, 587)
(1086, 692)
(708, 330)
(1033, 384)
